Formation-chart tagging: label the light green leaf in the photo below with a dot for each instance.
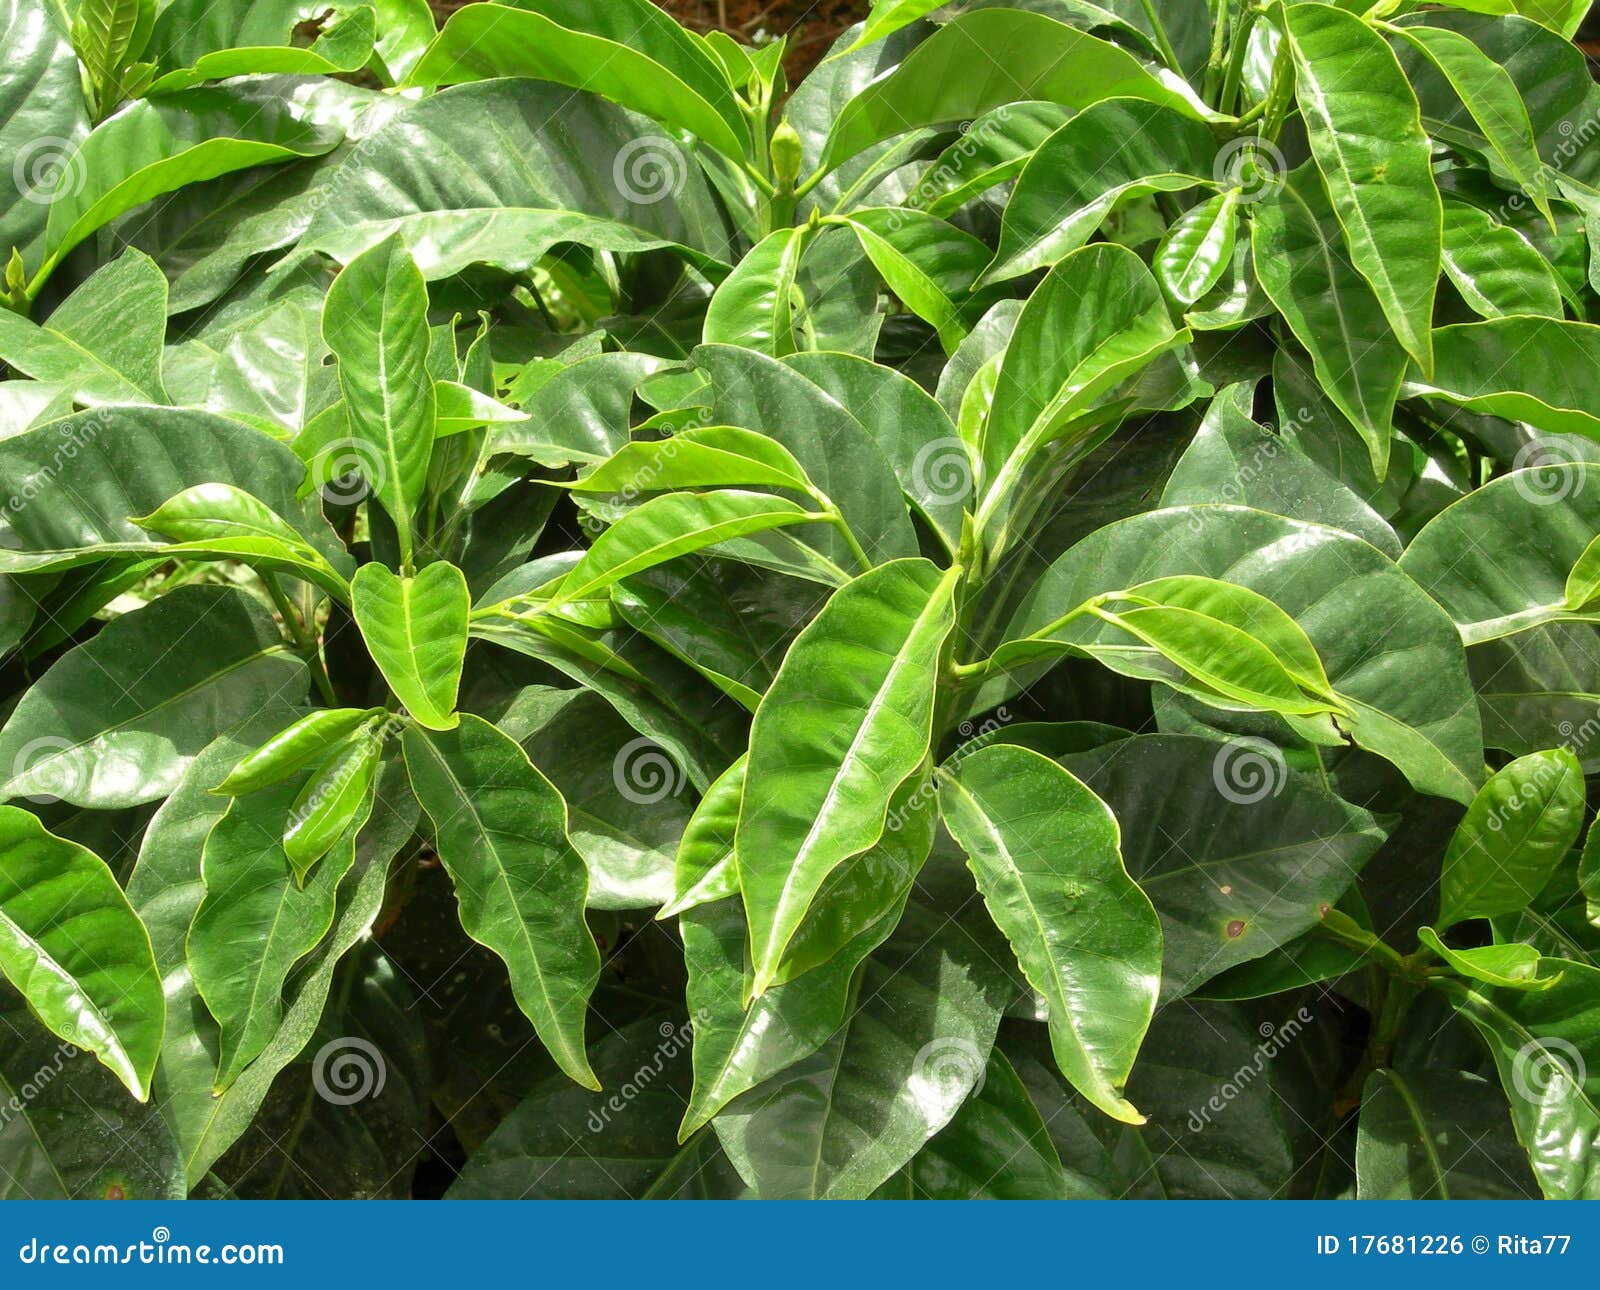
(1113, 151)
(77, 952)
(704, 457)
(672, 525)
(847, 720)
(332, 799)
(1515, 832)
(626, 50)
(1366, 135)
(931, 266)
(499, 827)
(1046, 853)
(103, 342)
(1513, 966)
(309, 739)
(416, 630)
(757, 305)
(105, 728)
(1097, 318)
(994, 56)
(1198, 248)
(1495, 268)
(376, 323)
(221, 520)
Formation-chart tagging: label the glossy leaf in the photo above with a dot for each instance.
(76, 952)
(416, 628)
(376, 323)
(1047, 857)
(119, 731)
(846, 721)
(1518, 827)
(1366, 135)
(500, 829)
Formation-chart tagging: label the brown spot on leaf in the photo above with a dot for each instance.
(1234, 929)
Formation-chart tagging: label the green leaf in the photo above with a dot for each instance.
(309, 739)
(1515, 832)
(757, 305)
(841, 1122)
(1491, 97)
(565, 1143)
(1304, 266)
(885, 18)
(1416, 708)
(737, 1048)
(332, 799)
(627, 51)
(1366, 136)
(1495, 268)
(376, 323)
(1524, 369)
(1097, 318)
(76, 951)
(105, 728)
(1437, 1135)
(1113, 151)
(66, 1106)
(1198, 248)
(1046, 853)
(253, 897)
(104, 341)
(1232, 457)
(156, 146)
(224, 521)
(548, 166)
(672, 525)
(341, 48)
(1544, 1044)
(500, 829)
(165, 890)
(45, 119)
(416, 630)
(1513, 967)
(704, 457)
(704, 868)
(1507, 557)
(931, 266)
(847, 719)
(1238, 853)
(984, 59)
(996, 1148)
(128, 461)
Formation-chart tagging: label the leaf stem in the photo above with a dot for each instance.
(305, 639)
(1160, 32)
(1238, 53)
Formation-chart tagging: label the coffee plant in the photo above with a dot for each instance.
(1015, 619)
